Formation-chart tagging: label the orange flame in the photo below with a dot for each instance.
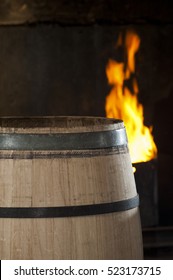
(123, 104)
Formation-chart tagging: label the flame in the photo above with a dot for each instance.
(123, 104)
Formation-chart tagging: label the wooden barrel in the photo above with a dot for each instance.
(67, 190)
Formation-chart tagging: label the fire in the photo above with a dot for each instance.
(123, 104)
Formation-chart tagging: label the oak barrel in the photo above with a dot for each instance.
(67, 190)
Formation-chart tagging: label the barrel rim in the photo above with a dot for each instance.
(54, 121)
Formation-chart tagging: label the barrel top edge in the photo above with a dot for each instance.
(81, 123)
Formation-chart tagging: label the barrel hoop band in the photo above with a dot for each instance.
(63, 141)
(69, 211)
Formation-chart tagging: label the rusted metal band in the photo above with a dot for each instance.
(69, 211)
(63, 141)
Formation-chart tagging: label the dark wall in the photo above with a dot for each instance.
(50, 69)
(53, 70)
(85, 11)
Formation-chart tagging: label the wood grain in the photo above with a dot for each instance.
(65, 182)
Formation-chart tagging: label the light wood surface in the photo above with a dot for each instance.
(62, 178)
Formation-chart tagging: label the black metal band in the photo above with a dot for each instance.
(63, 141)
(69, 211)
